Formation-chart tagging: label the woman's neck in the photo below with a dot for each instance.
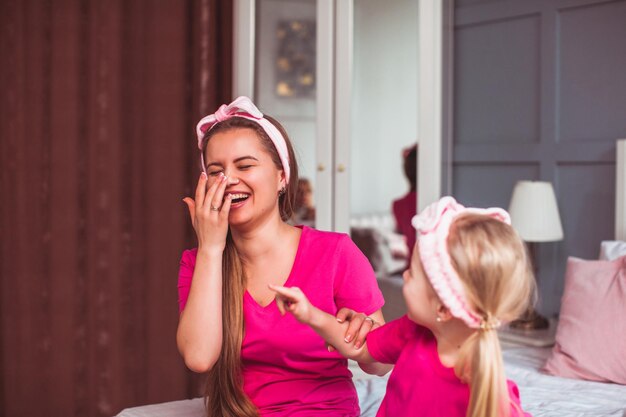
(261, 240)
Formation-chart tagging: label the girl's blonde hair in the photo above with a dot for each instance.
(224, 395)
(493, 264)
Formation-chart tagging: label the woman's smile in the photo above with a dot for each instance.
(238, 199)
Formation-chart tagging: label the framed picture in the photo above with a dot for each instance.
(285, 78)
(294, 64)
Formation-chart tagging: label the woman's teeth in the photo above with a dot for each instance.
(237, 198)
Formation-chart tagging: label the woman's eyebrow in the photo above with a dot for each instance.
(241, 158)
(245, 157)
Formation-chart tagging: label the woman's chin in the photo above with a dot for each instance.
(236, 219)
(245, 214)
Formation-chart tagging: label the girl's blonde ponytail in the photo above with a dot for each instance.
(480, 364)
(491, 260)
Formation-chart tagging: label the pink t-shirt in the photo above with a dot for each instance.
(420, 385)
(403, 210)
(287, 369)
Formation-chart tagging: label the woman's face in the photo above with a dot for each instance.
(253, 179)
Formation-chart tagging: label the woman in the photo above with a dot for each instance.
(259, 362)
(405, 208)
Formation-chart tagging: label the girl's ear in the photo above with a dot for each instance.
(443, 313)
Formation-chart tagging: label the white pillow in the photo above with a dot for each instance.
(612, 249)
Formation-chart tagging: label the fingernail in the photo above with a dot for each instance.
(224, 177)
(328, 348)
(203, 175)
(339, 320)
(348, 338)
(357, 345)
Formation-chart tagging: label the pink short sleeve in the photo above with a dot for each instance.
(386, 342)
(516, 406)
(355, 284)
(185, 273)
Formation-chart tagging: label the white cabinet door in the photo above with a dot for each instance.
(284, 60)
(350, 126)
(383, 108)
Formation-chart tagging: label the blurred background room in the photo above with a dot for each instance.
(97, 149)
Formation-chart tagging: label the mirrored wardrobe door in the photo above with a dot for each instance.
(383, 131)
(286, 86)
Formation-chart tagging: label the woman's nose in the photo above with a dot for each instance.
(231, 180)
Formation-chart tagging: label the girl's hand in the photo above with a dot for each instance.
(209, 216)
(360, 326)
(293, 300)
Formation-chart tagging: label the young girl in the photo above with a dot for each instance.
(257, 361)
(469, 274)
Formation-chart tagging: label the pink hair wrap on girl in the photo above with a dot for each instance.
(243, 107)
(433, 227)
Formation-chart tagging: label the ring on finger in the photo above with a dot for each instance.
(215, 208)
(370, 319)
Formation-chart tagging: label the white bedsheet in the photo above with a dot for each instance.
(542, 395)
(550, 396)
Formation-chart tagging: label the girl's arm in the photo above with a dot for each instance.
(199, 334)
(360, 325)
(332, 331)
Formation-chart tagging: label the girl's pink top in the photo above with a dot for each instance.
(287, 369)
(420, 385)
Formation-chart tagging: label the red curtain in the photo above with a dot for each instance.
(97, 149)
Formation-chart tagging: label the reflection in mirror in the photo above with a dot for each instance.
(384, 130)
(285, 83)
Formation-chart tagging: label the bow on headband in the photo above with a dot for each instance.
(433, 227)
(243, 107)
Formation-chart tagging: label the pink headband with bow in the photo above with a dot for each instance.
(243, 107)
(433, 227)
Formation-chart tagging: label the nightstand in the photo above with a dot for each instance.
(538, 338)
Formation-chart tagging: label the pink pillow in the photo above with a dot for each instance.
(591, 335)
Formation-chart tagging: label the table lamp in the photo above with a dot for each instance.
(535, 216)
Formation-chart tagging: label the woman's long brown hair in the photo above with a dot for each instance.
(224, 395)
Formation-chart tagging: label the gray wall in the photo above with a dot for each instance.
(540, 94)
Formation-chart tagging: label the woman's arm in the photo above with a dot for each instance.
(328, 327)
(199, 334)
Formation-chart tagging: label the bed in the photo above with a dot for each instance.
(542, 395)
(546, 396)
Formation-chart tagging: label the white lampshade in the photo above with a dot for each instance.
(534, 212)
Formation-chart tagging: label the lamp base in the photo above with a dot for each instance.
(531, 320)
